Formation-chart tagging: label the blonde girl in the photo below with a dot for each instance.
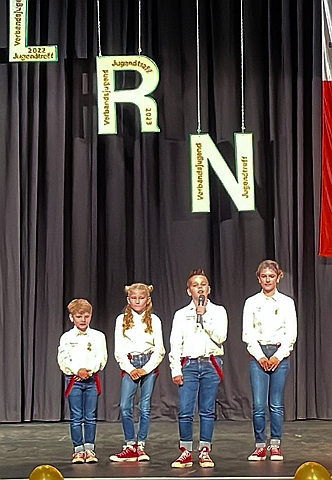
(139, 349)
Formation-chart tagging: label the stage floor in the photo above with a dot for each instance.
(25, 446)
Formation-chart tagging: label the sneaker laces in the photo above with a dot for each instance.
(125, 448)
(79, 454)
(259, 450)
(204, 454)
(140, 450)
(274, 448)
(185, 454)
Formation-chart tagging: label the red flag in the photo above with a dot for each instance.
(325, 240)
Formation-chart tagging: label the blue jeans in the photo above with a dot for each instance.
(83, 401)
(200, 384)
(128, 391)
(268, 392)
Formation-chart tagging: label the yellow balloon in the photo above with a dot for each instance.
(45, 472)
(312, 471)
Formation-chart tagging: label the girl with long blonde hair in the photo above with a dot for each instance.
(139, 349)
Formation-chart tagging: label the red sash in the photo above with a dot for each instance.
(216, 366)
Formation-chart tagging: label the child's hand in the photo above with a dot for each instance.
(83, 373)
(178, 380)
(138, 373)
(134, 374)
(200, 309)
(264, 363)
(273, 363)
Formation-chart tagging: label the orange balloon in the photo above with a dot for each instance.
(312, 471)
(45, 472)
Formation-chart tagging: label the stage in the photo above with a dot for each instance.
(25, 446)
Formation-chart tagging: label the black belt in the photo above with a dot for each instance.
(202, 358)
(139, 356)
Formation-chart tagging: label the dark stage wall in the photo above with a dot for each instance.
(82, 215)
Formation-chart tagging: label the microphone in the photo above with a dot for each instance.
(201, 300)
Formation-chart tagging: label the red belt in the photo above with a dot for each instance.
(72, 381)
(214, 363)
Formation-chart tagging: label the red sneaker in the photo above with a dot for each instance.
(128, 454)
(258, 454)
(78, 457)
(184, 460)
(141, 455)
(90, 456)
(275, 453)
(204, 458)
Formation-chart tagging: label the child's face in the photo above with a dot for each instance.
(138, 300)
(268, 279)
(198, 285)
(81, 320)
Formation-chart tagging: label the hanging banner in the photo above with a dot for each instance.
(325, 239)
(19, 50)
(109, 96)
(241, 189)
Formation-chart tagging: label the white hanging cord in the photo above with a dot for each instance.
(242, 71)
(98, 29)
(198, 70)
(139, 27)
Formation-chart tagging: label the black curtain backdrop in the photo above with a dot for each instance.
(82, 214)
